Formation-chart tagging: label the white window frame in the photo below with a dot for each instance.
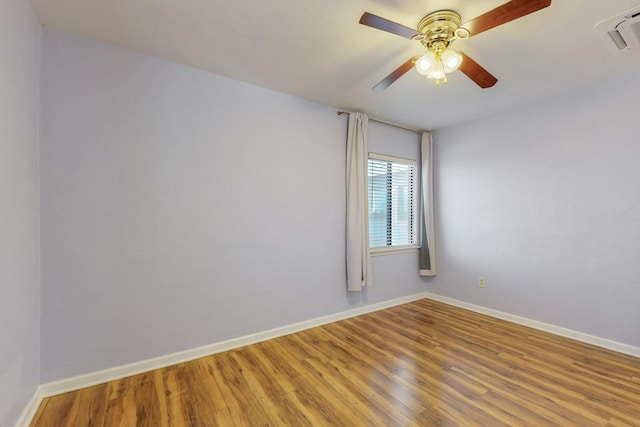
(396, 249)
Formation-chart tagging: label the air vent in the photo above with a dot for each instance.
(621, 33)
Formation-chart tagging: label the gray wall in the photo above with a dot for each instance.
(19, 250)
(545, 202)
(181, 208)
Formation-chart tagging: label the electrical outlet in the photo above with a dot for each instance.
(482, 282)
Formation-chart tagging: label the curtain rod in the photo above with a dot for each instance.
(386, 123)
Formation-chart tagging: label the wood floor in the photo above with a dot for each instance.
(418, 364)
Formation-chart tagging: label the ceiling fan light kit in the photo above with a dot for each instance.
(438, 30)
(437, 63)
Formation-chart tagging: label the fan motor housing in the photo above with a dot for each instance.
(439, 26)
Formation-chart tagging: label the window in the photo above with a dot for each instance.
(392, 203)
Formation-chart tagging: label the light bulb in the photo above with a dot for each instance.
(425, 64)
(451, 60)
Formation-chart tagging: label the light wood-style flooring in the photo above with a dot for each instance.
(418, 364)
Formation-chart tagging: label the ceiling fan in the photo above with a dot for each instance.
(438, 30)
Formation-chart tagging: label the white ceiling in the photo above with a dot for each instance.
(318, 50)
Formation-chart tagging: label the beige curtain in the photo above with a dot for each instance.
(428, 248)
(357, 244)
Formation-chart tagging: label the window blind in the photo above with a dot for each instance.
(391, 202)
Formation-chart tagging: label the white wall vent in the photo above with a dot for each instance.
(621, 33)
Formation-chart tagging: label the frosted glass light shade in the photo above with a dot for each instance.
(437, 71)
(451, 60)
(426, 63)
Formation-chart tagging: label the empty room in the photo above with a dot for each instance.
(320, 213)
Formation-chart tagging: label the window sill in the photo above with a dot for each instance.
(393, 250)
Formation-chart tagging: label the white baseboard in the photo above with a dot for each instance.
(541, 326)
(110, 374)
(30, 410)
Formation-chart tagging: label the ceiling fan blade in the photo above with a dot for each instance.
(383, 24)
(475, 72)
(397, 73)
(502, 14)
